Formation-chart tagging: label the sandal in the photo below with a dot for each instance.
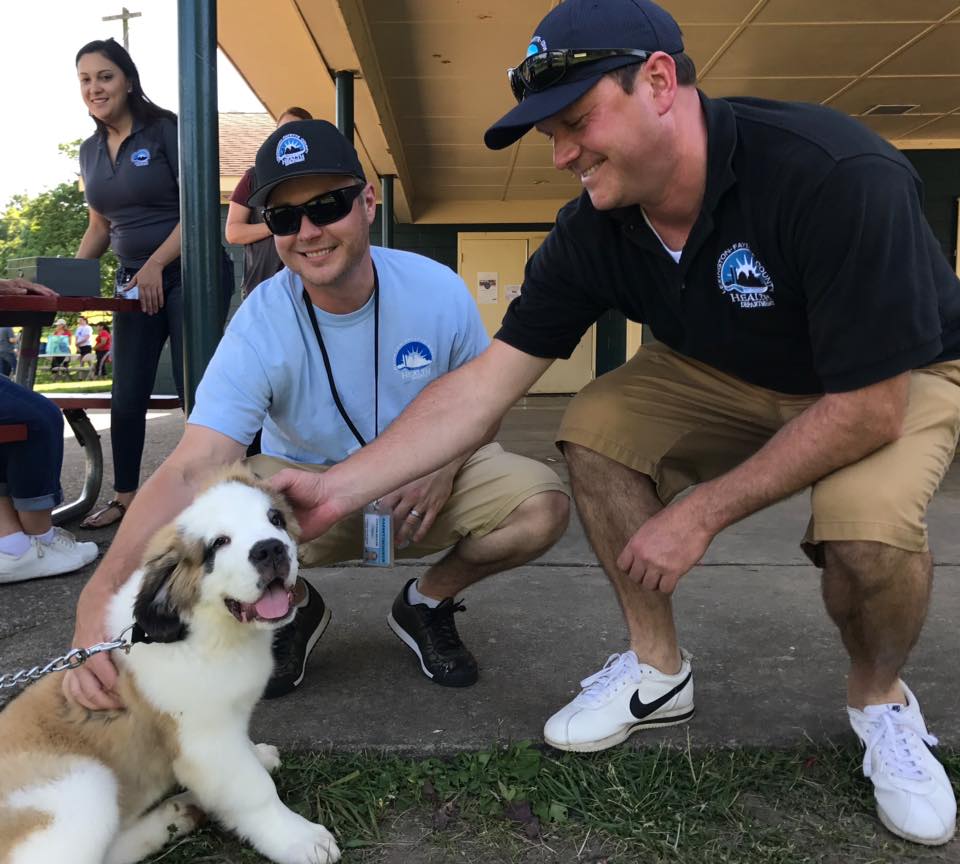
(93, 521)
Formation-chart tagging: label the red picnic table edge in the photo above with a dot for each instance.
(65, 401)
(40, 303)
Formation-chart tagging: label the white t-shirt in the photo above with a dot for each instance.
(82, 335)
(268, 370)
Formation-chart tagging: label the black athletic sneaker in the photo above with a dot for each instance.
(293, 643)
(432, 635)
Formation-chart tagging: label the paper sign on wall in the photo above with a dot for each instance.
(487, 290)
(511, 292)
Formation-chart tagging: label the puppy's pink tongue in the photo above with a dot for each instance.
(275, 602)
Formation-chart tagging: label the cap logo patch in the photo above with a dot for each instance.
(537, 46)
(141, 157)
(291, 149)
(743, 278)
(414, 360)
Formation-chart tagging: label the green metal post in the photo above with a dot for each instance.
(386, 211)
(199, 189)
(611, 341)
(344, 104)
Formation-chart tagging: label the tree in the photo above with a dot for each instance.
(50, 224)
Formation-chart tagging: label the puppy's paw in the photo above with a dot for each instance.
(182, 814)
(268, 756)
(315, 845)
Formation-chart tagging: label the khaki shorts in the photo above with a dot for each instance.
(489, 487)
(682, 422)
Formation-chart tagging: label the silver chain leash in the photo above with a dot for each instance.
(73, 659)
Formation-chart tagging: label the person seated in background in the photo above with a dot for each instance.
(30, 547)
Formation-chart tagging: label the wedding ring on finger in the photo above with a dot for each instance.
(416, 514)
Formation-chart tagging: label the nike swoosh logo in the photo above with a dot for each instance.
(645, 709)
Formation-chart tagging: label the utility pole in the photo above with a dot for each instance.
(125, 16)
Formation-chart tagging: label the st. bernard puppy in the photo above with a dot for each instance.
(82, 787)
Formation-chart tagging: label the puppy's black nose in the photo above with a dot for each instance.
(265, 553)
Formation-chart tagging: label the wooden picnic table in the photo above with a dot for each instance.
(32, 312)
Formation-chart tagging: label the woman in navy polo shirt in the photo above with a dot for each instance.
(130, 173)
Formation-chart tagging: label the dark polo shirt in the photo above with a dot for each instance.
(140, 194)
(810, 269)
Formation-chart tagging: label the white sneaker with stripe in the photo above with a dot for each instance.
(622, 698)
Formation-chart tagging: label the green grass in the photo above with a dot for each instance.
(518, 804)
(96, 386)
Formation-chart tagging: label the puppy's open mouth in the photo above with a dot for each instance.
(274, 604)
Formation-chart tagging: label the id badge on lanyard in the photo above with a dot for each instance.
(377, 536)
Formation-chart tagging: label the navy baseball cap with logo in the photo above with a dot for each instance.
(582, 26)
(301, 149)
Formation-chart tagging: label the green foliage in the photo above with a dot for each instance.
(52, 224)
(99, 385)
(71, 149)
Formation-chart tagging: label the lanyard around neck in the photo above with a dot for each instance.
(376, 362)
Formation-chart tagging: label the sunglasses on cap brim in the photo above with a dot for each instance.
(325, 209)
(548, 68)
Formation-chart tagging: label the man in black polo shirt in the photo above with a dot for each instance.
(808, 328)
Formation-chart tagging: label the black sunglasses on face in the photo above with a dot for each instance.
(332, 206)
(543, 70)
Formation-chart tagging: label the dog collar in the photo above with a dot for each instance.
(138, 634)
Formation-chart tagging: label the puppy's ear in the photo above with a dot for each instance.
(156, 609)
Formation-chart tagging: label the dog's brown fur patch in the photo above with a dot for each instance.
(41, 732)
(177, 561)
(16, 826)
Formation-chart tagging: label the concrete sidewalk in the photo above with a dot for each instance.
(769, 665)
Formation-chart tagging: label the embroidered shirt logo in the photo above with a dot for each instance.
(537, 46)
(291, 149)
(743, 278)
(141, 157)
(414, 360)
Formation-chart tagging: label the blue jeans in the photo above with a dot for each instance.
(30, 470)
(138, 339)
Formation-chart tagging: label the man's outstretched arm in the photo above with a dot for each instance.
(449, 419)
(171, 488)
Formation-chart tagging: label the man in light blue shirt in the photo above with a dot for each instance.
(323, 356)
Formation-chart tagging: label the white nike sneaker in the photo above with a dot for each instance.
(624, 696)
(63, 554)
(914, 797)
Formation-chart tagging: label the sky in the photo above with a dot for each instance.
(41, 105)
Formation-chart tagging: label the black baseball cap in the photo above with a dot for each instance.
(584, 25)
(301, 149)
